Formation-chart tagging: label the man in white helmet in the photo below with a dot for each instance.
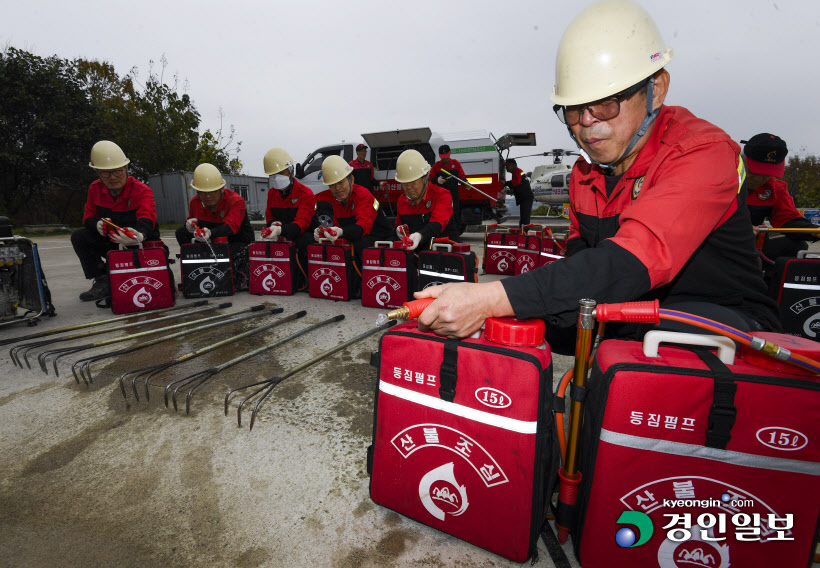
(656, 207)
(120, 199)
(216, 212)
(291, 207)
(356, 214)
(426, 209)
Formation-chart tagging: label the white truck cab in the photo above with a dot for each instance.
(479, 153)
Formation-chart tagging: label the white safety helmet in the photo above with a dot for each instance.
(609, 47)
(207, 178)
(410, 166)
(335, 169)
(105, 155)
(276, 160)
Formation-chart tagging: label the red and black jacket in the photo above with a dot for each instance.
(772, 201)
(133, 207)
(363, 173)
(454, 170)
(674, 228)
(229, 220)
(294, 208)
(429, 216)
(521, 187)
(360, 216)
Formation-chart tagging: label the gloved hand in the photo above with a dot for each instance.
(440, 180)
(102, 228)
(189, 224)
(333, 233)
(272, 233)
(402, 231)
(416, 238)
(122, 237)
(203, 235)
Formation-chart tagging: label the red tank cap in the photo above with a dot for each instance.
(515, 332)
(793, 343)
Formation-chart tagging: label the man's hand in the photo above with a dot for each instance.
(203, 235)
(102, 228)
(190, 224)
(272, 233)
(440, 180)
(333, 233)
(416, 239)
(318, 233)
(460, 309)
(402, 231)
(127, 237)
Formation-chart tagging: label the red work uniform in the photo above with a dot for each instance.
(455, 170)
(295, 209)
(133, 207)
(772, 201)
(229, 220)
(673, 227)
(360, 217)
(361, 175)
(429, 216)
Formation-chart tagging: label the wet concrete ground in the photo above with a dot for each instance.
(88, 478)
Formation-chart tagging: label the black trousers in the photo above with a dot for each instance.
(525, 212)
(92, 250)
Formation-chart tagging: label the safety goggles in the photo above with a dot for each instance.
(603, 109)
(108, 174)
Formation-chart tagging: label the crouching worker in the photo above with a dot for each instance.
(218, 212)
(120, 199)
(656, 210)
(356, 214)
(291, 208)
(425, 209)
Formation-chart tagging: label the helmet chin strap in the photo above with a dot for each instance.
(650, 117)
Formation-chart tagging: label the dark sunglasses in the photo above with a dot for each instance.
(603, 109)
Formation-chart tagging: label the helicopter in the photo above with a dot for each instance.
(550, 182)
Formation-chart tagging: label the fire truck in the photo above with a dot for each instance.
(480, 153)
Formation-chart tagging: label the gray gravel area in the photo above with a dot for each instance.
(88, 478)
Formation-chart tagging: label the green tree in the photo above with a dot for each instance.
(803, 176)
(49, 125)
(215, 149)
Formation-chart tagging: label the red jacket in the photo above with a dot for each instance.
(359, 216)
(133, 207)
(229, 220)
(429, 216)
(673, 228)
(295, 209)
(772, 201)
(453, 167)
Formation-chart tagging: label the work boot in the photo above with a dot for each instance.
(99, 290)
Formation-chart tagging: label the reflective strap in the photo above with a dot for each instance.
(436, 403)
(441, 275)
(387, 268)
(704, 453)
(490, 245)
(327, 263)
(133, 270)
(285, 259)
(208, 261)
(555, 256)
(802, 286)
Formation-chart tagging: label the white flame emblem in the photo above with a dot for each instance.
(502, 264)
(524, 268)
(383, 296)
(326, 287)
(142, 297)
(207, 285)
(454, 500)
(268, 283)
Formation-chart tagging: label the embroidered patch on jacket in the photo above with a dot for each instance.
(428, 204)
(294, 200)
(222, 214)
(636, 187)
(764, 195)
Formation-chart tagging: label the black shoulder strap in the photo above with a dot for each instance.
(723, 413)
(449, 370)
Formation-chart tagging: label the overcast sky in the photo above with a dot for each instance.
(302, 74)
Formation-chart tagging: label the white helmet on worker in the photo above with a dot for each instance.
(276, 160)
(335, 169)
(410, 166)
(105, 155)
(207, 178)
(597, 58)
